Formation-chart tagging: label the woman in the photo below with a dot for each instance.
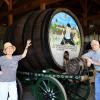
(9, 64)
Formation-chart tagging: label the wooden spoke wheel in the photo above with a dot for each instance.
(49, 88)
(19, 89)
(78, 90)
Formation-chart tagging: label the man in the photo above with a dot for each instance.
(93, 57)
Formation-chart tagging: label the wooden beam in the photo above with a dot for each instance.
(42, 4)
(35, 4)
(94, 17)
(48, 2)
(7, 2)
(32, 5)
(21, 9)
(10, 16)
(90, 18)
(85, 11)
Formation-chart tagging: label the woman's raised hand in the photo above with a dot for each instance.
(28, 43)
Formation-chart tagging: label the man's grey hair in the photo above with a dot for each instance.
(94, 42)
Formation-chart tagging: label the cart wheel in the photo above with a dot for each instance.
(49, 88)
(19, 89)
(78, 90)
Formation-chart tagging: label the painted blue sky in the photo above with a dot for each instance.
(63, 19)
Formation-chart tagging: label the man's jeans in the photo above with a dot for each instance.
(97, 86)
(8, 88)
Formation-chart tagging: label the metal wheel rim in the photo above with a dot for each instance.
(49, 88)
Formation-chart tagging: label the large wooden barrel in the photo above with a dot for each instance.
(52, 32)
